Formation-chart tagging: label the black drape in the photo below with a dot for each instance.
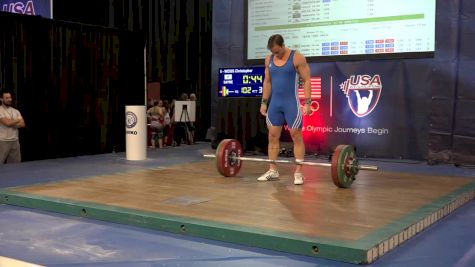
(71, 82)
(178, 40)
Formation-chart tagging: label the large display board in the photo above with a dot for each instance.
(241, 82)
(343, 29)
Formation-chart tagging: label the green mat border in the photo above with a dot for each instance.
(363, 251)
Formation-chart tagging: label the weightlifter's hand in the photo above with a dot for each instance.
(307, 110)
(263, 109)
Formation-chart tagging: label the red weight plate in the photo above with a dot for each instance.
(226, 152)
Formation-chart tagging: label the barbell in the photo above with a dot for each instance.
(344, 165)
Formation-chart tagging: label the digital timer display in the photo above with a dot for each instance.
(241, 82)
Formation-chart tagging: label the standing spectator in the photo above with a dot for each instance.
(166, 122)
(192, 125)
(171, 130)
(155, 116)
(10, 121)
(184, 97)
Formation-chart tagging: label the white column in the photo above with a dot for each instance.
(136, 132)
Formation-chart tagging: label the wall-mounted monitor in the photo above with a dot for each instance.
(332, 30)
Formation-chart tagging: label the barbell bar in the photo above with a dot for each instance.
(344, 165)
(321, 164)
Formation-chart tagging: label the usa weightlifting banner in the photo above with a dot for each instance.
(42, 8)
(369, 105)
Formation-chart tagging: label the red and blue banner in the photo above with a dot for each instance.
(43, 8)
(364, 105)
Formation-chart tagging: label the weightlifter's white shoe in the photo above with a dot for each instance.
(298, 178)
(269, 175)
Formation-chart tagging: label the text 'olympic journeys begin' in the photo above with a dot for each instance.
(345, 130)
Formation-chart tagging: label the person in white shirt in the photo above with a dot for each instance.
(10, 121)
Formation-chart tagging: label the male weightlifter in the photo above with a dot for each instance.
(282, 72)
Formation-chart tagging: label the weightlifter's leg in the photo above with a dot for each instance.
(273, 152)
(274, 144)
(299, 153)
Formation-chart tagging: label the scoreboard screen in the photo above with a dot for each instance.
(241, 82)
(333, 30)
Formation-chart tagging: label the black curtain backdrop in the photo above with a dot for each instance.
(71, 83)
(178, 40)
